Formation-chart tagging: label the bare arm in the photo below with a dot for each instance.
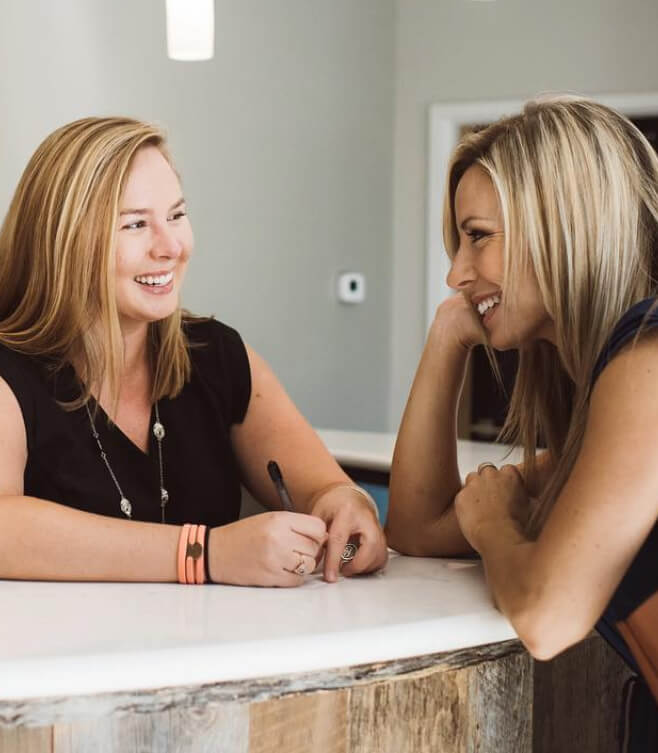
(41, 540)
(425, 477)
(424, 474)
(44, 540)
(274, 429)
(554, 589)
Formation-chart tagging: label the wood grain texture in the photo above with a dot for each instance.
(485, 707)
(26, 740)
(577, 699)
(52, 710)
(300, 723)
(501, 706)
(175, 731)
(493, 699)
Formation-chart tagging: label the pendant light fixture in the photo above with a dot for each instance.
(190, 29)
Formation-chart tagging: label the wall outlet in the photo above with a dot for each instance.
(351, 287)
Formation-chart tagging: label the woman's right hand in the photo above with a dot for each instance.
(266, 549)
(457, 320)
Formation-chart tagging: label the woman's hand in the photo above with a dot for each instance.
(349, 516)
(270, 549)
(457, 319)
(489, 499)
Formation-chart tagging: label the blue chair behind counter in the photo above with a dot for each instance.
(380, 495)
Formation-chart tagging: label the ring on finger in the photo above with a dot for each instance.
(349, 552)
(300, 569)
(486, 464)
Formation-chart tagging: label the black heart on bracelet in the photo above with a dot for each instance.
(194, 550)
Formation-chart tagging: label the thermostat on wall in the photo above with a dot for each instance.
(351, 287)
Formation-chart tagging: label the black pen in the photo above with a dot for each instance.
(277, 477)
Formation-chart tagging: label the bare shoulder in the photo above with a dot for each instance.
(627, 389)
(264, 381)
(255, 359)
(268, 402)
(623, 415)
(13, 442)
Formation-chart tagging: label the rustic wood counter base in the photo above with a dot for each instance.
(410, 661)
(489, 698)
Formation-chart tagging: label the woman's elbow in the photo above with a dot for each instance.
(545, 634)
(396, 539)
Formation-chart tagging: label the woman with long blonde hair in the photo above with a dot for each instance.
(551, 224)
(129, 425)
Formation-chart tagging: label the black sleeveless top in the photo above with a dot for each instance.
(200, 470)
(641, 579)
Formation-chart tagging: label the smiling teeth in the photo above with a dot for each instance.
(155, 280)
(487, 304)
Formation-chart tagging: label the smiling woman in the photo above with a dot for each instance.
(551, 225)
(478, 268)
(129, 424)
(147, 288)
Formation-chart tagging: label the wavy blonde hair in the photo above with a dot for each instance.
(578, 189)
(57, 259)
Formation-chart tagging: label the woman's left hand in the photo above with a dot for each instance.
(350, 517)
(490, 498)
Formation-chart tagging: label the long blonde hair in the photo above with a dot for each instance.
(578, 189)
(57, 258)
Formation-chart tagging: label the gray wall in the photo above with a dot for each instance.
(455, 50)
(303, 148)
(284, 141)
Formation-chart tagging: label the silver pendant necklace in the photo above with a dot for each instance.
(159, 434)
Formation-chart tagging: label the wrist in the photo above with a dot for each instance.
(441, 337)
(215, 550)
(346, 485)
(510, 573)
(495, 535)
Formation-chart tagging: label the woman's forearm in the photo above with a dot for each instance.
(424, 473)
(507, 558)
(42, 540)
(540, 617)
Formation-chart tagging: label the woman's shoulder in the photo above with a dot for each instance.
(639, 318)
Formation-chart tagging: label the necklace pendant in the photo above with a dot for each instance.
(126, 507)
(158, 431)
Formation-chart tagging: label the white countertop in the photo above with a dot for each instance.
(84, 638)
(374, 451)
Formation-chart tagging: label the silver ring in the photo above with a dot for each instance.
(349, 552)
(301, 567)
(486, 464)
